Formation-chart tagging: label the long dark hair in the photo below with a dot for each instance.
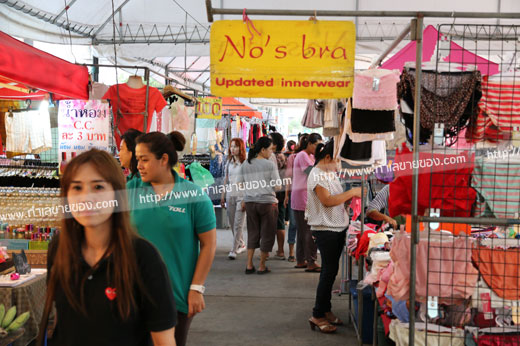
(323, 150)
(129, 137)
(291, 145)
(277, 140)
(262, 143)
(306, 140)
(304, 137)
(159, 144)
(123, 269)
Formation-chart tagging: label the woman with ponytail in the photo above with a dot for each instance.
(177, 217)
(328, 221)
(260, 180)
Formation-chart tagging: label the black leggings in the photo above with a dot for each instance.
(182, 328)
(331, 246)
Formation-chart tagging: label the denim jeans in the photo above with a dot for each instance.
(331, 246)
(291, 236)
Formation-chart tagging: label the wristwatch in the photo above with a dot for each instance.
(198, 288)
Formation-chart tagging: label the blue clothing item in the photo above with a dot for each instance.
(399, 309)
(291, 236)
(217, 164)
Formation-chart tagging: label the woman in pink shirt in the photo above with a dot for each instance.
(306, 250)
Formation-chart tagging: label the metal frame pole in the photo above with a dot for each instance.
(471, 220)
(391, 47)
(146, 115)
(417, 28)
(333, 13)
(361, 263)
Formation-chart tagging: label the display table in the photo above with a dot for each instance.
(29, 296)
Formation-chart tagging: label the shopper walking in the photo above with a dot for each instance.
(260, 181)
(281, 163)
(127, 152)
(306, 250)
(110, 287)
(233, 196)
(178, 218)
(328, 220)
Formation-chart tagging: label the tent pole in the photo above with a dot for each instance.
(333, 13)
(417, 31)
(391, 47)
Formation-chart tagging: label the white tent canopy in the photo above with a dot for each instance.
(173, 35)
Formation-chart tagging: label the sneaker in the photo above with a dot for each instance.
(241, 249)
(232, 255)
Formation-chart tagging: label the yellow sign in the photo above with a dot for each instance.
(209, 108)
(282, 59)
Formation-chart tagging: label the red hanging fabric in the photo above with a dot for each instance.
(447, 185)
(32, 67)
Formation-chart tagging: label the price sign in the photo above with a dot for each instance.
(209, 108)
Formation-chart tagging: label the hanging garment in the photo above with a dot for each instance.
(361, 137)
(444, 269)
(497, 183)
(128, 106)
(180, 116)
(355, 151)
(97, 90)
(206, 134)
(447, 98)
(499, 110)
(217, 164)
(330, 118)
(28, 132)
(368, 121)
(376, 89)
(246, 127)
(447, 188)
(501, 102)
(355, 206)
(499, 269)
(313, 116)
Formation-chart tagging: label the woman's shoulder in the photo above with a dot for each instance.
(144, 249)
(134, 182)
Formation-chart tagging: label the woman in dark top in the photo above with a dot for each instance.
(127, 152)
(281, 164)
(110, 286)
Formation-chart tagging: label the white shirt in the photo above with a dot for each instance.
(320, 217)
(233, 173)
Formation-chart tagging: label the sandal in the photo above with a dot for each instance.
(313, 270)
(291, 259)
(265, 271)
(323, 326)
(279, 257)
(250, 271)
(300, 266)
(333, 319)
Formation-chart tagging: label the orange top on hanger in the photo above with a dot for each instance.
(455, 228)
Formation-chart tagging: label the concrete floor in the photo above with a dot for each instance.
(262, 310)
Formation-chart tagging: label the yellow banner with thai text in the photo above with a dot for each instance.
(209, 107)
(282, 59)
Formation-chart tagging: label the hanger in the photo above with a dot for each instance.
(442, 66)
